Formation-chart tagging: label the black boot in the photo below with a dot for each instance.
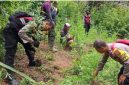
(11, 80)
(36, 63)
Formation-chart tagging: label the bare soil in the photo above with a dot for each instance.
(52, 65)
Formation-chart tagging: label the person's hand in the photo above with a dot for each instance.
(95, 73)
(70, 41)
(36, 44)
(122, 79)
(53, 23)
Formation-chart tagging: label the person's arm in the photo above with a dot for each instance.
(23, 32)
(84, 19)
(101, 64)
(90, 19)
(48, 10)
(62, 34)
(57, 11)
(63, 38)
(41, 12)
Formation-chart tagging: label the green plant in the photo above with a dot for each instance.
(16, 71)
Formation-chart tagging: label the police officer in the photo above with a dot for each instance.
(21, 28)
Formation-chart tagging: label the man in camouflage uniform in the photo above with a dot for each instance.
(49, 11)
(21, 28)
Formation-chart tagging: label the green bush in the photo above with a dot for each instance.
(110, 17)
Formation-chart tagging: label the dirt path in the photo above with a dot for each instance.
(62, 61)
(58, 61)
(52, 65)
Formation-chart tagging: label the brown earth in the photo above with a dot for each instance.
(52, 65)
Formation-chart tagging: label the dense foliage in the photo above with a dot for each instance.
(111, 17)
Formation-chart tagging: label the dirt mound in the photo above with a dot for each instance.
(62, 59)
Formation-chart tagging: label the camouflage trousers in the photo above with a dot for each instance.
(51, 38)
(51, 34)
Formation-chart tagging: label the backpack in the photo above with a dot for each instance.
(20, 19)
(18, 15)
(87, 19)
(123, 41)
